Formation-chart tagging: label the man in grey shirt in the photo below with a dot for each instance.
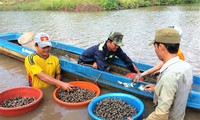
(175, 80)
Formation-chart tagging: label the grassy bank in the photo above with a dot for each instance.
(84, 5)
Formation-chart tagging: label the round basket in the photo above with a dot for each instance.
(23, 92)
(129, 99)
(87, 85)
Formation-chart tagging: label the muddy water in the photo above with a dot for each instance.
(13, 74)
(84, 29)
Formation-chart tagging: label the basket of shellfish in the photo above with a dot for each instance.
(81, 94)
(116, 106)
(19, 100)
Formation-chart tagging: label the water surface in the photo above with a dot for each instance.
(84, 29)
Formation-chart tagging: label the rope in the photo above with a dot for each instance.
(98, 77)
(75, 69)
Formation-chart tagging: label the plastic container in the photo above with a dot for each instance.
(23, 92)
(81, 84)
(132, 75)
(132, 100)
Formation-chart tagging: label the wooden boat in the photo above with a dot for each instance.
(68, 56)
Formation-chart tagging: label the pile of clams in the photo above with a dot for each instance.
(114, 109)
(76, 95)
(17, 102)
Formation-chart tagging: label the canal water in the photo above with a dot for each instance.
(84, 29)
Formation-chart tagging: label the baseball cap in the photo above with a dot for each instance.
(42, 39)
(116, 37)
(166, 35)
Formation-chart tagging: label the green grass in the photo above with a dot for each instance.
(71, 4)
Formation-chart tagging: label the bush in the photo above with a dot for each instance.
(128, 3)
(110, 4)
(147, 3)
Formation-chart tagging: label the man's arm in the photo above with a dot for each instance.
(128, 62)
(46, 78)
(153, 69)
(58, 76)
(136, 69)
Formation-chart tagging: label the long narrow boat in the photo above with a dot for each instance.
(68, 56)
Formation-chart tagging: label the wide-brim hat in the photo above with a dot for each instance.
(26, 37)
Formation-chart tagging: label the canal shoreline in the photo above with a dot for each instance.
(81, 6)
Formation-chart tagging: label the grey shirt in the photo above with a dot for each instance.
(172, 90)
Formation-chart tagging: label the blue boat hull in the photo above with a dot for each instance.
(97, 75)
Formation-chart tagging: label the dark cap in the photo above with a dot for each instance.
(116, 37)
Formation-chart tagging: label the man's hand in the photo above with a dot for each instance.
(67, 86)
(136, 78)
(149, 87)
(94, 65)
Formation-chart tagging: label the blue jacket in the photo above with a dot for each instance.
(100, 54)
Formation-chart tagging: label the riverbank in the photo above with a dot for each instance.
(83, 5)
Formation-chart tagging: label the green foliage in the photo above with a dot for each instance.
(171, 1)
(147, 3)
(128, 3)
(70, 4)
(56, 4)
(109, 4)
(51, 4)
(143, 3)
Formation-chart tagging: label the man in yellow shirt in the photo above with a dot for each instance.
(43, 69)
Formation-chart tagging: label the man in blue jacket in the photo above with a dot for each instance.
(99, 55)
